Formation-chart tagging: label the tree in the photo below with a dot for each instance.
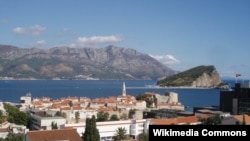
(140, 97)
(64, 115)
(1, 116)
(70, 103)
(102, 116)
(114, 117)
(13, 137)
(131, 113)
(54, 125)
(151, 114)
(16, 116)
(77, 116)
(149, 102)
(121, 134)
(91, 132)
(148, 99)
(21, 118)
(213, 120)
(124, 116)
(155, 101)
(144, 137)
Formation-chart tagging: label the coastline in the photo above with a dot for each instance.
(12, 90)
(142, 87)
(182, 87)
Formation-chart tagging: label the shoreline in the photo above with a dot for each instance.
(186, 87)
(181, 87)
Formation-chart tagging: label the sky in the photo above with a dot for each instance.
(182, 34)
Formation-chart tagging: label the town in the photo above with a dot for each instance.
(133, 114)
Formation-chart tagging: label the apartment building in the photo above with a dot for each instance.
(108, 129)
(237, 100)
(42, 121)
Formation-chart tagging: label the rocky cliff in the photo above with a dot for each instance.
(79, 63)
(197, 77)
(207, 80)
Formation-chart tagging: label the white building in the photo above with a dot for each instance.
(3, 109)
(83, 114)
(7, 128)
(108, 129)
(25, 101)
(45, 122)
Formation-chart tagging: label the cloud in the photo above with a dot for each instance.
(19, 30)
(41, 42)
(95, 40)
(32, 30)
(166, 59)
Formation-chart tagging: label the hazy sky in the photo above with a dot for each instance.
(181, 33)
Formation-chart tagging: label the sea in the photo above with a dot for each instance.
(12, 90)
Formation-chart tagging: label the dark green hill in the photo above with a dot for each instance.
(200, 76)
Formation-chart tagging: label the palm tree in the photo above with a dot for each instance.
(121, 134)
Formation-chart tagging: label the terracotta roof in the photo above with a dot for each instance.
(240, 118)
(178, 120)
(65, 102)
(90, 109)
(65, 108)
(4, 130)
(105, 109)
(99, 100)
(36, 103)
(164, 121)
(77, 108)
(188, 119)
(52, 135)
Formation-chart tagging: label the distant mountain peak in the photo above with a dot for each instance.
(111, 62)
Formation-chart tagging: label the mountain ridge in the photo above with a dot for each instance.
(65, 62)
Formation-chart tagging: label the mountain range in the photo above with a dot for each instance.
(110, 62)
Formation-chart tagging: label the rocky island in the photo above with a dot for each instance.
(197, 77)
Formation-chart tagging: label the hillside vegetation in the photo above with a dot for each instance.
(187, 77)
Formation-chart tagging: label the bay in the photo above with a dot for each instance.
(12, 90)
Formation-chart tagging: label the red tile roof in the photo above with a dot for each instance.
(240, 118)
(53, 135)
(178, 120)
(164, 121)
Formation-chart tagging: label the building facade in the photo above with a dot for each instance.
(108, 129)
(39, 122)
(237, 100)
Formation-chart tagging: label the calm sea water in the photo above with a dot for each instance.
(12, 90)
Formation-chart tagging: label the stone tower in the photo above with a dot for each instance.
(124, 89)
